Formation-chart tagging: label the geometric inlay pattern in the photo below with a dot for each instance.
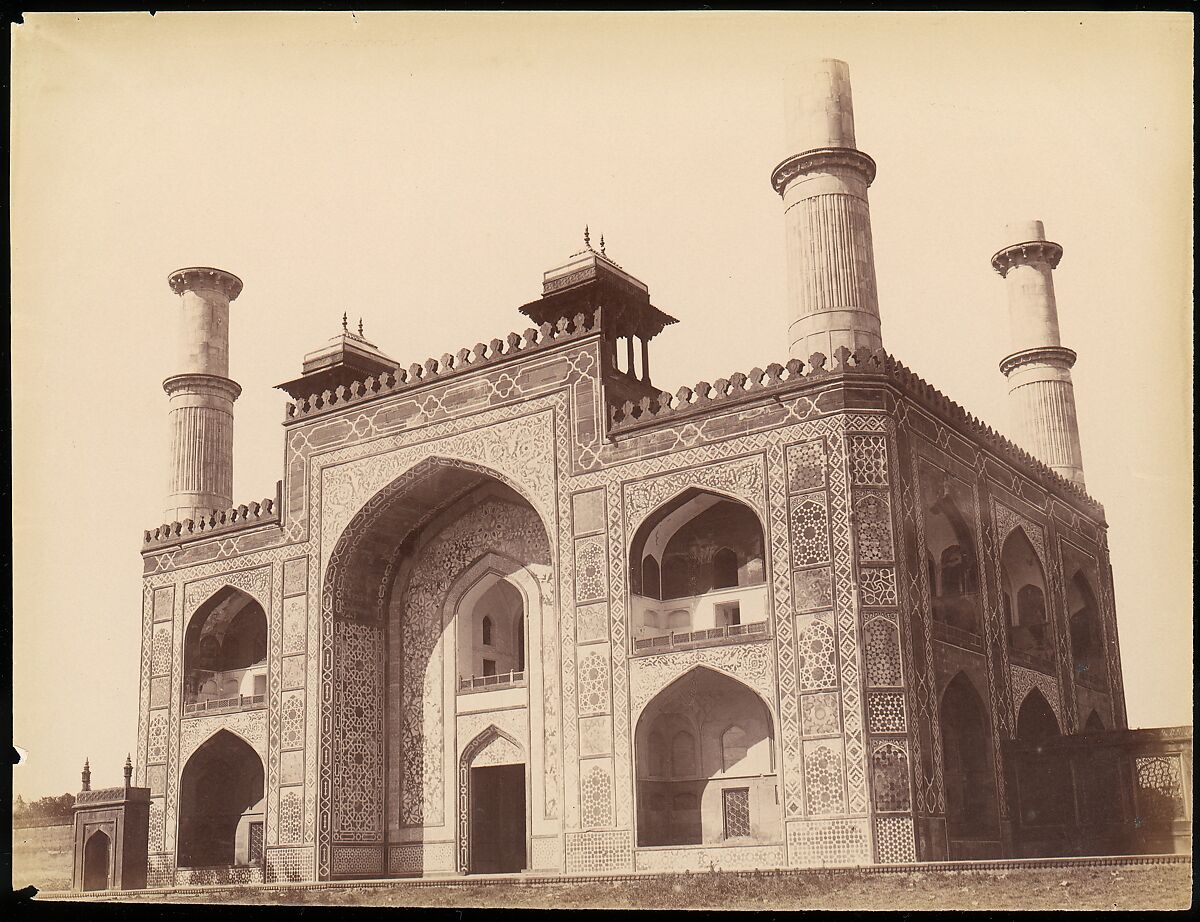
(874, 527)
(816, 662)
(894, 835)
(868, 460)
(593, 683)
(882, 644)
(885, 712)
(889, 778)
(878, 586)
(810, 531)
(819, 714)
(823, 781)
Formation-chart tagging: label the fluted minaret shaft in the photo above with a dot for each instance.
(830, 260)
(202, 397)
(1038, 366)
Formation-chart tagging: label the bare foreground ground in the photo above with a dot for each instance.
(1142, 887)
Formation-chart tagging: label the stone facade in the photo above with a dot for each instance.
(366, 752)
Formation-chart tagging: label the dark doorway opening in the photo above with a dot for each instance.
(95, 862)
(498, 819)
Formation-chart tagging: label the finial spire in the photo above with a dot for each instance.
(602, 253)
(86, 776)
(345, 320)
(128, 770)
(360, 332)
(587, 237)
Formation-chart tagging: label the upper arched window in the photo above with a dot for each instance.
(951, 559)
(487, 630)
(1023, 584)
(225, 653)
(699, 542)
(1087, 641)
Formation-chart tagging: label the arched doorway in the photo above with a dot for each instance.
(1035, 719)
(967, 769)
(697, 564)
(705, 764)
(96, 860)
(493, 807)
(1043, 779)
(220, 801)
(411, 581)
(225, 654)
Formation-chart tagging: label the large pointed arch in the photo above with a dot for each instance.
(221, 791)
(225, 653)
(704, 746)
(968, 769)
(375, 588)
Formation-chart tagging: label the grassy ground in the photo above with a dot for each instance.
(42, 856)
(1146, 887)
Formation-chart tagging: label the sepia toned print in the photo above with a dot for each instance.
(530, 608)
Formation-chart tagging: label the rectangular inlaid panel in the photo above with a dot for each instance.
(295, 576)
(164, 603)
(587, 512)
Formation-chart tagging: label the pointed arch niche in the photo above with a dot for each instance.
(697, 564)
(428, 546)
(1084, 621)
(225, 654)
(951, 550)
(968, 770)
(1025, 602)
(221, 797)
(704, 754)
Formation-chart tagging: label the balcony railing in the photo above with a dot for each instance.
(968, 640)
(224, 705)
(755, 630)
(478, 683)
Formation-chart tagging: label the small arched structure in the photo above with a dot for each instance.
(225, 654)
(697, 563)
(1094, 724)
(221, 797)
(705, 764)
(1023, 585)
(967, 768)
(951, 555)
(97, 861)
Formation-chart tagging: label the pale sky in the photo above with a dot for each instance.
(423, 170)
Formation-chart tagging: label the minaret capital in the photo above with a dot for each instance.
(823, 160)
(190, 279)
(1030, 253)
(1058, 356)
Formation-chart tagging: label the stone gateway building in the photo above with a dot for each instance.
(517, 608)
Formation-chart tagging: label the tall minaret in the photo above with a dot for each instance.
(202, 396)
(1038, 366)
(830, 260)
